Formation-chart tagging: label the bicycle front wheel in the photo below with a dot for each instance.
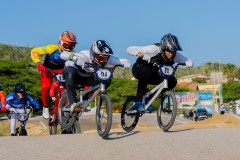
(167, 110)
(129, 119)
(103, 115)
(53, 129)
(66, 120)
(23, 132)
(75, 129)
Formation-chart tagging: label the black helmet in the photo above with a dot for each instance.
(100, 52)
(170, 42)
(19, 87)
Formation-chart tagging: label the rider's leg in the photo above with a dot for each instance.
(70, 75)
(46, 81)
(13, 118)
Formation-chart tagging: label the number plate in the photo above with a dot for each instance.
(103, 74)
(167, 70)
(59, 77)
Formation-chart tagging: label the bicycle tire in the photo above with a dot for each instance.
(103, 121)
(75, 129)
(132, 118)
(23, 132)
(167, 111)
(65, 119)
(52, 129)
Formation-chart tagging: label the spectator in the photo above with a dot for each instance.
(190, 115)
(195, 116)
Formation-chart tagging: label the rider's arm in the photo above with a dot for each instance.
(37, 51)
(150, 50)
(54, 88)
(179, 58)
(112, 61)
(77, 58)
(33, 101)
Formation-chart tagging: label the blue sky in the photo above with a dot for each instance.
(208, 31)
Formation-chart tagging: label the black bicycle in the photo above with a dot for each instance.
(167, 107)
(103, 107)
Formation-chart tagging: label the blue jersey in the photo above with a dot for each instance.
(14, 101)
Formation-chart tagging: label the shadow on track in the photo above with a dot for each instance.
(118, 135)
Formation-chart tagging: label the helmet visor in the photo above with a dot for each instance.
(101, 58)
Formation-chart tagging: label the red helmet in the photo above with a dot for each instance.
(67, 41)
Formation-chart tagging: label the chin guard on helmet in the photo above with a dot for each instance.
(100, 52)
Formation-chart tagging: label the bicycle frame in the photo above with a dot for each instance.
(100, 88)
(157, 90)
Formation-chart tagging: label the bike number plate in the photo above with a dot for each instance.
(103, 74)
(167, 71)
(59, 77)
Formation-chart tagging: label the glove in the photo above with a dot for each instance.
(146, 57)
(53, 99)
(41, 67)
(72, 57)
(189, 64)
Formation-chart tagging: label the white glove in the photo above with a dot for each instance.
(189, 64)
(146, 57)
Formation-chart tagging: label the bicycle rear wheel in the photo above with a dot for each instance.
(129, 119)
(103, 115)
(66, 120)
(167, 110)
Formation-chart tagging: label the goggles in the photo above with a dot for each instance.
(101, 58)
(69, 47)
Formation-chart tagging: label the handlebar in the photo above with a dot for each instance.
(175, 67)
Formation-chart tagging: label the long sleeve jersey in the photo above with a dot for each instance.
(154, 50)
(15, 102)
(52, 60)
(84, 56)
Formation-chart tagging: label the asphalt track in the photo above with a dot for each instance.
(147, 141)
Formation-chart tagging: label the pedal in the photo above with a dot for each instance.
(132, 112)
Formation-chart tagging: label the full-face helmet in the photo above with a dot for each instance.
(100, 52)
(67, 41)
(170, 42)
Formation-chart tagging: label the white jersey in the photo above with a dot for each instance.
(84, 56)
(153, 50)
